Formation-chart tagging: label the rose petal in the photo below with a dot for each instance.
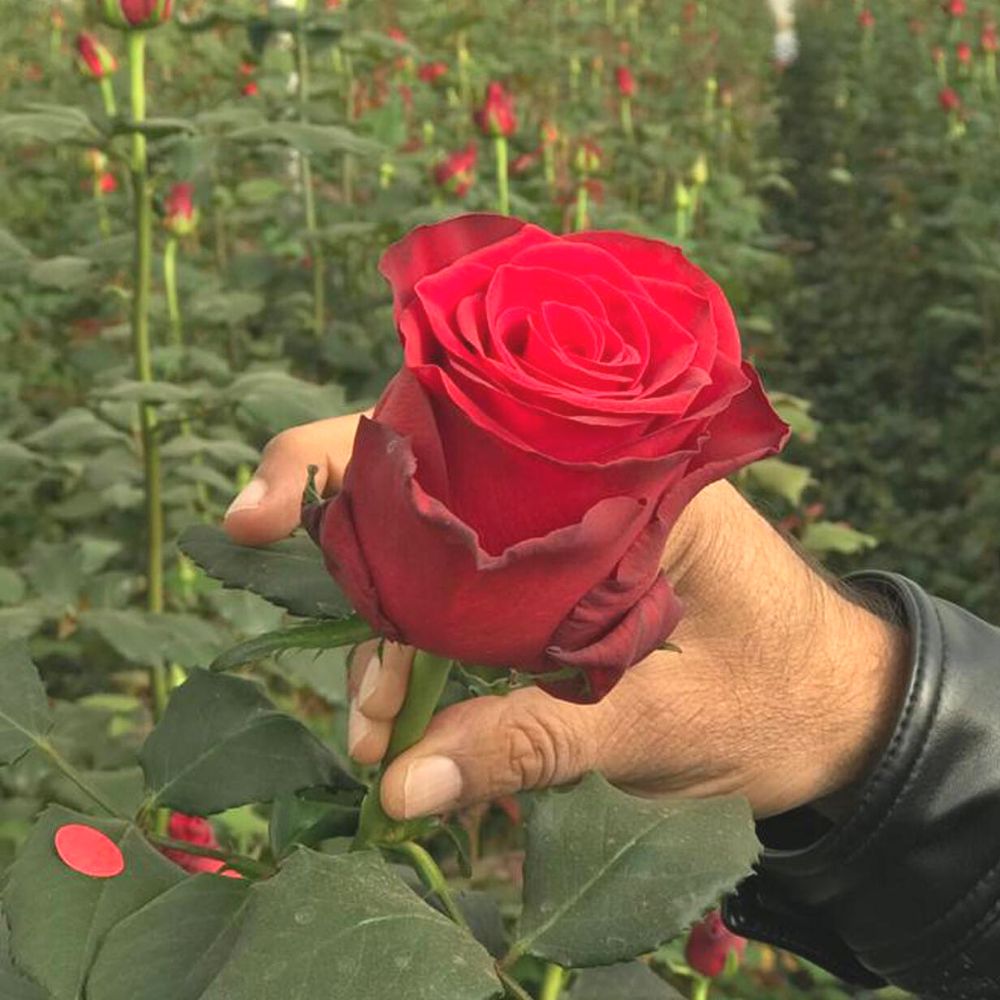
(89, 851)
(405, 559)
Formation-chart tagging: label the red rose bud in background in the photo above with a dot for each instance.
(866, 19)
(250, 89)
(95, 60)
(197, 831)
(496, 116)
(988, 40)
(709, 944)
(963, 52)
(107, 183)
(955, 8)
(180, 217)
(525, 162)
(625, 81)
(433, 71)
(457, 173)
(949, 100)
(562, 399)
(135, 13)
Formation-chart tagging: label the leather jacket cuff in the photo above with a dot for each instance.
(906, 887)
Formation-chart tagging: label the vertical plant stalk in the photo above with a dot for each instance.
(170, 283)
(503, 175)
(610, 12)
(701, 988)
(582, 206)
(141, 346)
(347, 180)
(628, 126)
(553, 982)
(428, 678)
(108, 96)
(308, 194)
(433, 878)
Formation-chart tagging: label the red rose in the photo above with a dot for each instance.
(955, 8)
(250, 89)
(433, 71)
(180, 217)
(562, 399)
(963, 52)
(626, 81)
(107, 183)
(458, 172)
(866, 19)
(709, 943)
(192, 830)
(988, 39)
(496, 116)
(525, 162)
(136, 13)
(949, 100)
(95, 59)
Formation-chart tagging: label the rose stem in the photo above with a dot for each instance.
(552, 984)
(141, 346)
(503, 184)
(428, 677)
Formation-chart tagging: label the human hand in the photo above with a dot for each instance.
(784, 689)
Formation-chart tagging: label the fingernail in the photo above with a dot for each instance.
(359, 727)
(369, 679)
(431, 785)
(249, 497)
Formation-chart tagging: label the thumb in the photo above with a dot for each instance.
(482, 749)
(269, 507)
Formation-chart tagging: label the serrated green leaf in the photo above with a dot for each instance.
(774, 475)
(58, 917)
(174, 947)
(54, 123)
(297, 820)
(313, 140)
(130, 391)
(76, 428)
(155, 639)
(222, 743)
(830, 536)
(24, 708)
(290, 573)
(121, 789)
(609, 876)
(345, 928)
(64, 272)
(315, 635)
(629, 981)
(12, 586)
(275, 401)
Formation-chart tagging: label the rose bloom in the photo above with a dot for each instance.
(709, 944)
(433, 71)
(562, 399)
(625, 81)
(250, 89)
(136, 13)
(963, 52)
(949, 100)
(955, 8)
(988, 39)
(95, 60)
(107, 183)
(458, 172)
(180, 217)
(496, 117)
(197, 831)
(866, 19)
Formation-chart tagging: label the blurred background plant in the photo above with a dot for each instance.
(845, 201)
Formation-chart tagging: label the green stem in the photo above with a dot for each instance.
(141, 347)
(610, 11)
(108, 94)
(170, 282)
(503, 181)
(628, 126)
(702, 987)
(512, 986)
(428, 678)
(78, 779)
(432, 877)
(239, 862)
(581, 207)
(103, 220)
(308, 194)
(552, 984)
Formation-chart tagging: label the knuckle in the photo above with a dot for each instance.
(539, 749)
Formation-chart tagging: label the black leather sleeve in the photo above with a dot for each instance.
(906, 888)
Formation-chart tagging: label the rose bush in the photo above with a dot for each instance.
(562, 399)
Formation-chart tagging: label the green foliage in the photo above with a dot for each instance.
(609, 876)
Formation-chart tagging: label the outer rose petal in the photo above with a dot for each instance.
(417, 573)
